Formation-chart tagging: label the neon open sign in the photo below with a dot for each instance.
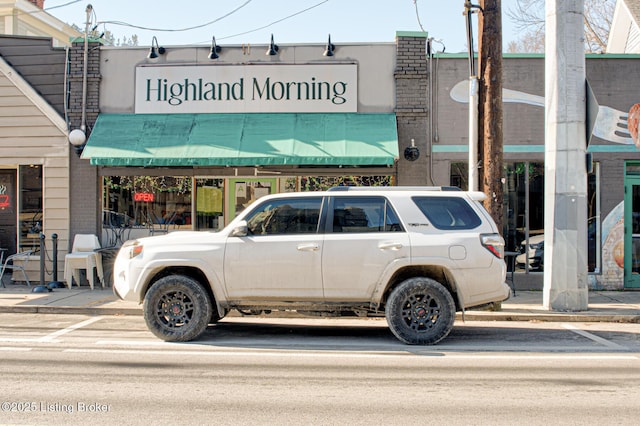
(146, 197)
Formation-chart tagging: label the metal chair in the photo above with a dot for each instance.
(18, 263)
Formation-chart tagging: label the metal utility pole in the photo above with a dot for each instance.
(565, 192)
(490, 147)
(469, 10)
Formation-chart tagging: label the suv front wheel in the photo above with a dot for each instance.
(420, 311)
(177, 308)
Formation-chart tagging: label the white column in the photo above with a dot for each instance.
(473, 134)
(565, 222)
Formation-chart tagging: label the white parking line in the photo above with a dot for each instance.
(293, 354)
(597, 339)
(52, 336)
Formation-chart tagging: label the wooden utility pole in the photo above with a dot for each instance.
(490, 143)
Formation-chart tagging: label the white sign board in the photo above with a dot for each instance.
(246, 88)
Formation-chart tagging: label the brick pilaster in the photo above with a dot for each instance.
(84, 180)
(412, 111)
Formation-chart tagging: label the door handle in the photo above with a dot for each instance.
(308, 247)
(390, 246)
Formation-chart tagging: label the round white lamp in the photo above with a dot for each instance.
(77, 138)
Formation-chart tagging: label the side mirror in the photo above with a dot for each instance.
(240, 231)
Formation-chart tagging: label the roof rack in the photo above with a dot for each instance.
(394, 188)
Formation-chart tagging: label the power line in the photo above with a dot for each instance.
(415, 2)
(125, 24)
(274, 22)
(60, 5)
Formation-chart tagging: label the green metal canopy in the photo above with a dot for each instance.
(257, 139)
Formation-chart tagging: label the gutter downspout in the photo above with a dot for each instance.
(83, 122)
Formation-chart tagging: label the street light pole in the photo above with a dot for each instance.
(473, 100)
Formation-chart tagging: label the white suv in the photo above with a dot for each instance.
(412, 254)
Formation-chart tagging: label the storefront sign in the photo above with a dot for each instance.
(146, 197)
(246, 88)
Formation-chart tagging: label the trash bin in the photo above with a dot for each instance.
(108, 259)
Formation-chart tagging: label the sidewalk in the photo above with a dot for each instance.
(604, 306)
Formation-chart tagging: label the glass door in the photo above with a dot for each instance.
(632, 232)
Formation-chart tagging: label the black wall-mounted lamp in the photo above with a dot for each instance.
(330, 48)
(155, 50)
(273, 48)
(215, 49)
(411, 153)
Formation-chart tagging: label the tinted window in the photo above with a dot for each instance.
(287, 216)
(364, 214)
(448, 212)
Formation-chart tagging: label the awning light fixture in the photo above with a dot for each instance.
(273, 48)
(155, 50)
(330, 48)
(215, 49)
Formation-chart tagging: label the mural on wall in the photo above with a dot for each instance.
(612, 277)
(610, 125)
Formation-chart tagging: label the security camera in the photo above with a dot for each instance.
(411, 153)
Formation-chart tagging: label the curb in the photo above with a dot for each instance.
(468, 316)
(506, 317)
(69, 310)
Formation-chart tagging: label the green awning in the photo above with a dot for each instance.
(263, 139)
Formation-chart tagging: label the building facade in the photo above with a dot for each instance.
(34, 150)
(185, 141)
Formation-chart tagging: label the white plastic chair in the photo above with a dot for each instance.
(18, 263)
(83, 256)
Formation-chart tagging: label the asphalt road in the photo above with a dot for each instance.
(103, 370)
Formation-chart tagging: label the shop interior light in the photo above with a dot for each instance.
(215, 49)
(330, 48)
(155, 50)
(273, 48)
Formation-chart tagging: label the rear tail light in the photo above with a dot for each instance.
(494, 243)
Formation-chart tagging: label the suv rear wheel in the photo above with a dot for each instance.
(177, 308)
(420, 311)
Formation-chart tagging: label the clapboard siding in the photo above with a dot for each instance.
(14, 101)
(23, 121)
(30, 133)
(19, 111)
(40, 64)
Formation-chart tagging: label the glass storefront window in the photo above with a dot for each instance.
(523, 221)
(146, 201)
(167, 203)
(30, 214)
(459, 176)
(245, 191)
(209, 204)
(524, 211)
(322, 183)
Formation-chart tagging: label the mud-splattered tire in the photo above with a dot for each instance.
(420, 311)
(177, 308)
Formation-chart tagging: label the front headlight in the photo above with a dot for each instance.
(134, 247)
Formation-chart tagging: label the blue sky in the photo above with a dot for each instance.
(253, 21)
